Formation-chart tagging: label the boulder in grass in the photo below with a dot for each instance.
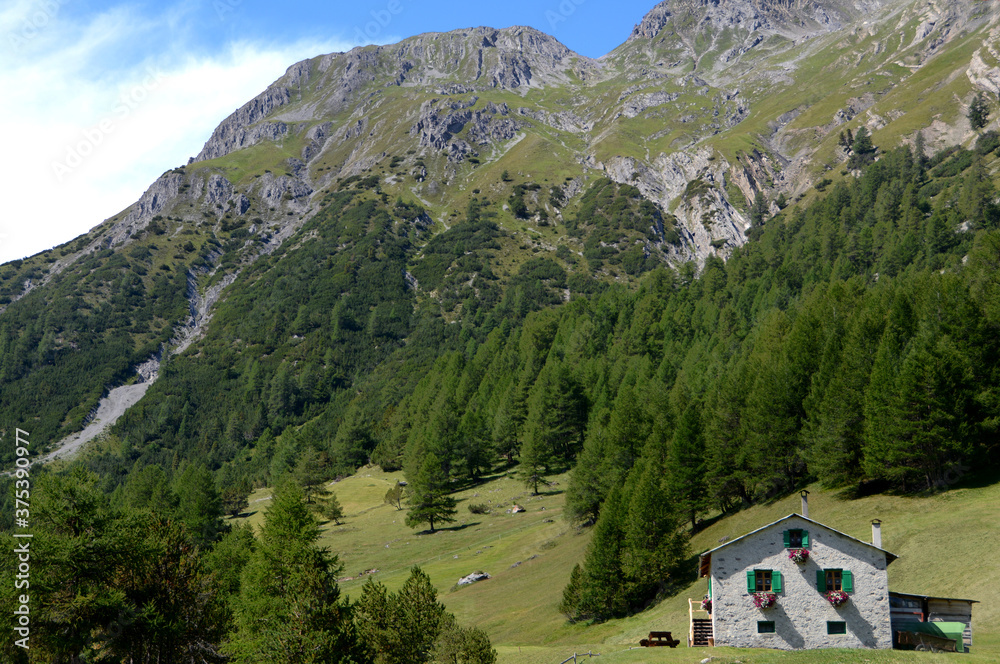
(472, 578)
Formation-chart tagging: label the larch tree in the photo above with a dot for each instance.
(289, 607)
(979, 112)
(429, 499)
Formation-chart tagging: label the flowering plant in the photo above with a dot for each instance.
(706, 604)
(837, 597)
(798, 555)
(764, 600)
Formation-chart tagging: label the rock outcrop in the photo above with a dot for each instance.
(986, 76)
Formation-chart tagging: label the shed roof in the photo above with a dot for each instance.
(705, 559)
(947, 599)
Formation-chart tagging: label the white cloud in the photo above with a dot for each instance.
(89, 129)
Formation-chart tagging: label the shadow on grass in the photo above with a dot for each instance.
(453, 529)
(707, 522)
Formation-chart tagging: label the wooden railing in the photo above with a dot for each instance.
(692, 603)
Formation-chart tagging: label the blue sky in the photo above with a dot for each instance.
(102, 97)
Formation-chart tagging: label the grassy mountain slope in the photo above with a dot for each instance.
(942, 540)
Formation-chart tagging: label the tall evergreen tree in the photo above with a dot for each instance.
(927, 428)
(429, 499)
(603, 592)
(199, 503)
(685, 474)
(75, 596)
(979, 112)
(655, 543)
(412, 626)
(557, 412)
(835, 431)
(862, 149)
(289, 607)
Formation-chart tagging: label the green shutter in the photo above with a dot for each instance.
(710, 587)
(847, 581)
(751, 581)
(805, 539)
(821, 580)
(788, 539)
(775, 581)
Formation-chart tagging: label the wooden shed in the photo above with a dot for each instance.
(910, 608)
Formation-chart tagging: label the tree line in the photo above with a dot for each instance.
(126, 578)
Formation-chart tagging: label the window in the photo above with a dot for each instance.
(765, 627)
(763, 581)
(836, 627)
(834, 579)
(796, 539)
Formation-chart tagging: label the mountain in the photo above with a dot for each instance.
(702, 108)
(752, 248)
(656, 153)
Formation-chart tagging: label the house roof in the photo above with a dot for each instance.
(947, 599)
(705, 559)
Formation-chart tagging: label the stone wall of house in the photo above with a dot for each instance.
(801, 612)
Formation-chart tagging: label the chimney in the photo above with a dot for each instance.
(805, 503)
(877, 533)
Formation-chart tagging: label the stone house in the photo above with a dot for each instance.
(836, 595)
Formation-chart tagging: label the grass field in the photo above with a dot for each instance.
(943, 542)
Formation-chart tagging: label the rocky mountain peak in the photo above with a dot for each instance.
(793, 17)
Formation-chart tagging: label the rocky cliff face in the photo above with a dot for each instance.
(984, 70)
(674, 111)
(240, 130)
(794, 18)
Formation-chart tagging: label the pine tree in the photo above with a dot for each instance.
(507, 425)
(570, 605)
(394, 496)
(862, 149)
(475, 453)
(429, 499)
(655, 544)
(557, 413)
(199, 503)
(835, 431)
(289, 608)
(533, 463)
(74, 595)
(603, 591)
(686, 471)
(311, 470)
(881, 394)
(927, 428)
(149, 489)
(330, 507)
(979, 112)
(412, 626)
(460, 645)
(759, 210)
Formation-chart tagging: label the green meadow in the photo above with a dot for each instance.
(942, 540)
